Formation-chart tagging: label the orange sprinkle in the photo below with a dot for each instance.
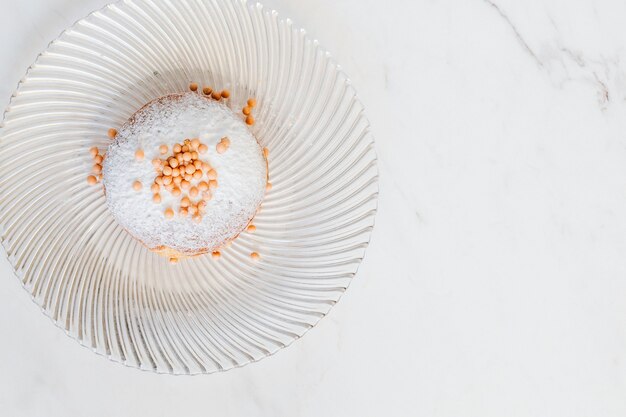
(216, 95)
(93, 151)
(176, 191)
(173, 162)
(268, 186)
(91, 180)
(197, 174)
(185, 148)
(193, 209)
(197, 163)
(202, 148)
(156, 163)
(251, 228)
(225, 93)
(156, 197)
(216, 255)
(159, 180)
(251, 102)
(195, 142)
(167, 171)
(179, 158)
(177, 148)
(170, 187)
(201, 206)
(98, 159)
(190, 169)
(188, 177)
(266, 152)
(221, 148)
(247, 110)
(203, 186)
(177, 180)
(207, 90)
(185, 202)
(193, 192)
(249, 120)
(225, 141)
(163, 149)
(137, 185)
(212, 184)
(155, 188)
(187, 156)
(194, 156)
(167, 180)
(169, 213)
(112, 133)
(212, 174)
(183, 211)
(175, 172)
(173, 260)
(206, 167)
(96, 168)
(193, 87)
(255, 256)
(139, 154)
(185, 184)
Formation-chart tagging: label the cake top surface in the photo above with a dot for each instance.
(241, 174)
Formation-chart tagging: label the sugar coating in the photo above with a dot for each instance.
(242, 174)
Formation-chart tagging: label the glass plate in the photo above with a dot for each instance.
(107, 290)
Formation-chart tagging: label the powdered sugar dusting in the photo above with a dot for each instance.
(242, 174)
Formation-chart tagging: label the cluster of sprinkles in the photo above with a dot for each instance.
(96, 169)
(247, 111)
(183, 173)
(98, 158)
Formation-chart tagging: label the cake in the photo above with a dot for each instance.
(184, 175)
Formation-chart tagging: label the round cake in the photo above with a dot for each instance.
(184, 175)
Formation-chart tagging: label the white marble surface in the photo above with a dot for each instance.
(495, 284)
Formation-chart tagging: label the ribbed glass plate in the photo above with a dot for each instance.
(103, 287)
